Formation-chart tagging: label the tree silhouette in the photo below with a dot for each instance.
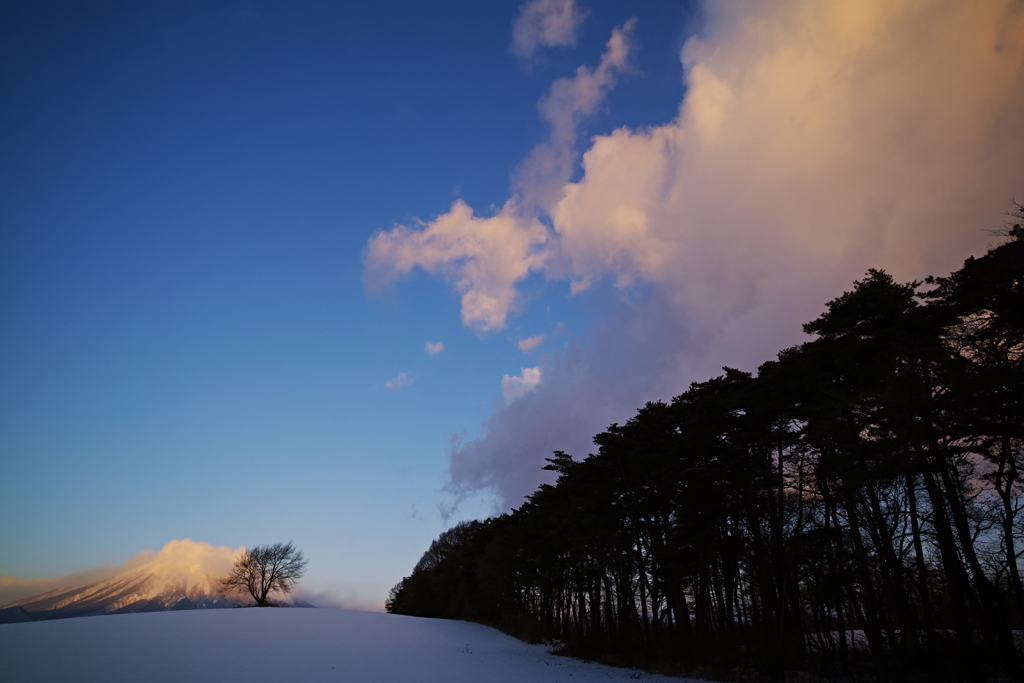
(264, 569)
(854, 509)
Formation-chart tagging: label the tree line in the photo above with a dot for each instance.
(854, 508)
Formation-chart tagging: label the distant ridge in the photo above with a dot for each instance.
(14, 615)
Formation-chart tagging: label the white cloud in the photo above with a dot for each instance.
(545, 23)
(434, 348)
(396, 384)
(516, 387)
(815, 140)
(530, 343)
(483, 258)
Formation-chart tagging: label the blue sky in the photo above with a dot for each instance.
(186, 344)
(192, 343)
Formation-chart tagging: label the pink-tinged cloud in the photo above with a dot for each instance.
(482, 257)
(815, 140)
(531, 343)
(434, 348)
(539, 178)
(545, 23)
(400, 382)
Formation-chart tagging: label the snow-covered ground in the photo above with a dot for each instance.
(306, 645)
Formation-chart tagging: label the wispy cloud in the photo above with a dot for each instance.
(516, 387)
(530, 343)
(397, 383)
(545, 23)
(540, 177)
(434, 348)
(341, 594)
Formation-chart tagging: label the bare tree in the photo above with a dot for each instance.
(266, 568)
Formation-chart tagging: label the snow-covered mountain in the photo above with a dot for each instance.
(183, 575)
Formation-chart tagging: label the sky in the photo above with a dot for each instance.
(345, 274)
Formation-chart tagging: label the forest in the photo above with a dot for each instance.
(853, 509)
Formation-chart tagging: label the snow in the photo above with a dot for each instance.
(255, 645)
(149, 581)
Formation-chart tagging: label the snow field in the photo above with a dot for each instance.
(307, 645)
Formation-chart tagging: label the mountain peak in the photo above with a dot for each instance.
(184, 575)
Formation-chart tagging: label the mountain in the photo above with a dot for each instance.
(14, 615)
(182, 576)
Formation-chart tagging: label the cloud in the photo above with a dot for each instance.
(588, 384)
(483, 258)
(815, 140)
(513, 388)
(545, 23)
(397, 383)
(434, 348)
(540, 177)
(195, 560)
(341, 595)
(530, 343)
